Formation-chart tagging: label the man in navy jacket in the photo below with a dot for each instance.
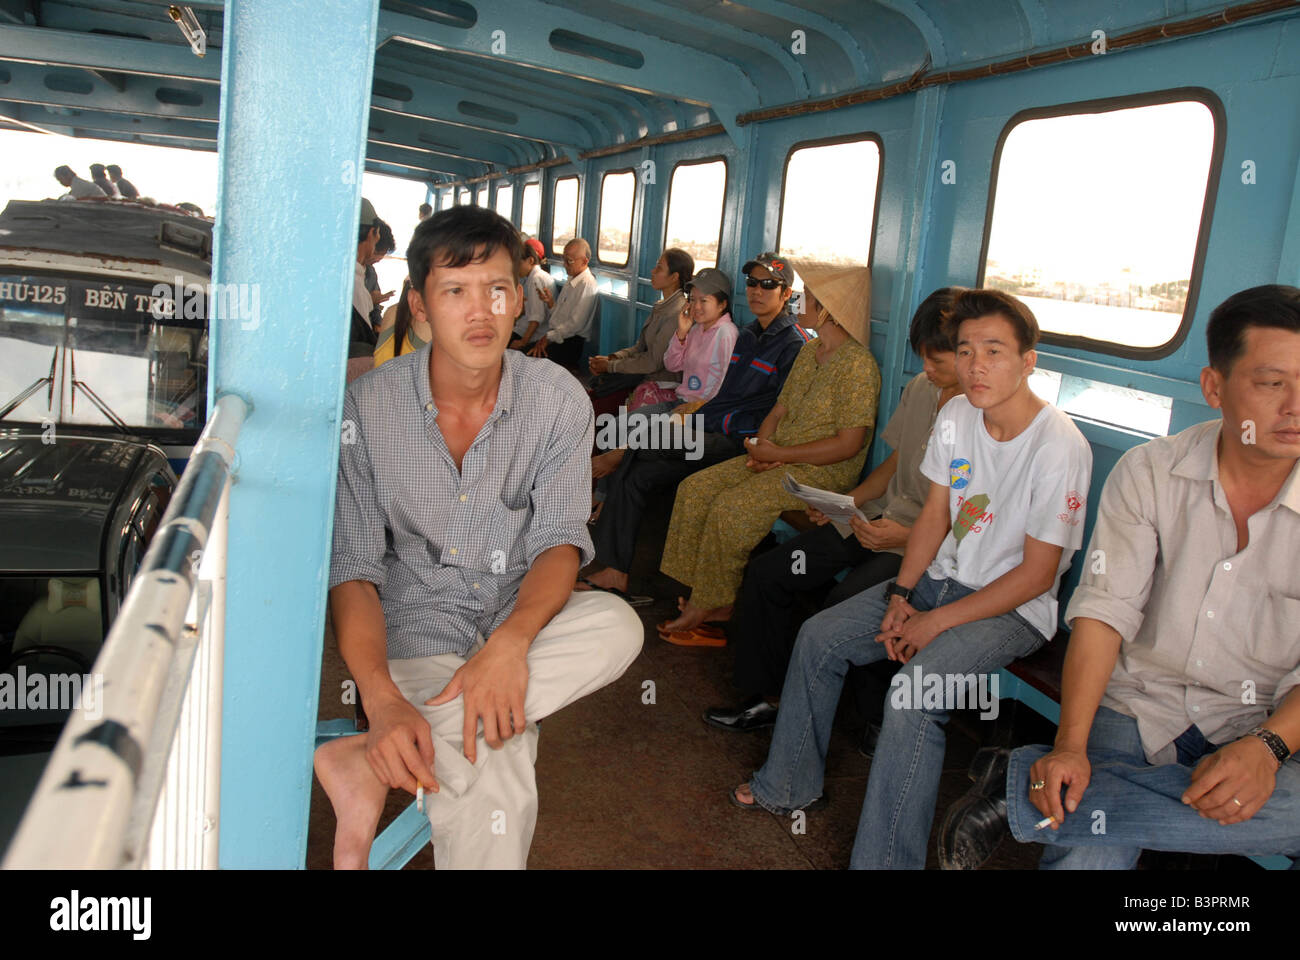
(761, 360)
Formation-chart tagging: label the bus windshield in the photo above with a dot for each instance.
(94, 354)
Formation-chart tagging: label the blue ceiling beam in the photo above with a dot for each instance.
(834, 31)
(417, 160)
(709, 27)
(192, 130)
(27, 85)
(618, 110)
(454, 142)
(95, 51)
(437, 102)
(731, 91)
(925, 26)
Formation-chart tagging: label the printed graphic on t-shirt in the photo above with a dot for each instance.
(961, 472)
(972, 515)
(694, 383)
(1073, 509)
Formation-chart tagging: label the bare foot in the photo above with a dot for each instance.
(691, 617)
(743, 795)
(718, 614)
(603, 464)
(357, 796)
(608, 579)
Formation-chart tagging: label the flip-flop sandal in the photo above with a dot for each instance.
(701, 636)
(631, 599)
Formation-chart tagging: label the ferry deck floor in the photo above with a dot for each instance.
(623, 784)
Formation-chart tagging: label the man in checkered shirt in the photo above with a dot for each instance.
(459, 529)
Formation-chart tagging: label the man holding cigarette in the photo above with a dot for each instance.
(1179, 707)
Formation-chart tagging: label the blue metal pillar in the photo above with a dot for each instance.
(289, 188)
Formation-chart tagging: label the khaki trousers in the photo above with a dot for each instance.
(484, 813)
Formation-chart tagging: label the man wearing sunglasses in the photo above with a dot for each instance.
(760, 361)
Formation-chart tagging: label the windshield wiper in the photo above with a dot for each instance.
(17, 402)
(94, 397)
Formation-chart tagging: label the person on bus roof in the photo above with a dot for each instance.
(817, 433)
(574, 310)
(1009, 477)
(125, 188)
(761, 360)
(459, 529)
(1180, 699)
(78, 189)
(766, 618)
(539, 293)
(101, 180)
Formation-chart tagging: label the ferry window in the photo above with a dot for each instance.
(505, 199)
(695, 198)
(828, 202)
(446, 198)
(530, 218)
(564, 213)
(462, 197)
(482, 199)
(1102, 402)
(1096, 218)
(617, 191)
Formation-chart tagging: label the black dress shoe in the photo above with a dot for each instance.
(753, 714)
(869, 737)
(976, 823)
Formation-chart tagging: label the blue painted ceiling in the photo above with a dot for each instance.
(466, 87)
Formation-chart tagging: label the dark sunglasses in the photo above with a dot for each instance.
(771, 283)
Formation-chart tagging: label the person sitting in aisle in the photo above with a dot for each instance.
(818, 433)
(574, 310)
(539, 295)
(767, 613)
(1180, 698)
(78, 189)
(458, 532)
(622, 371)
(424, 212)
(125, 188)
(761, 360)
(977, 588)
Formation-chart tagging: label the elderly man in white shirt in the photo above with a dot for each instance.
(571, 317)
(78, 189)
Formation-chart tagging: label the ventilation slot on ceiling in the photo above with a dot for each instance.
(391, 91)
(68, 83)
(566, 41)
(178, 97)
(471, 109)
(453, 13)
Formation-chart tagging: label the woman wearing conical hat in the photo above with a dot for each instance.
(818, 433)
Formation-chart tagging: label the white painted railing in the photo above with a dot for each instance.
(139, 785)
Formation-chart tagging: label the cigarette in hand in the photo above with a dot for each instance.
(1044, 823)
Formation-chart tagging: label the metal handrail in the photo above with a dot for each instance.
(96, 802)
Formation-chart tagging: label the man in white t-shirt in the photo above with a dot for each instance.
(977, 589)
(539, 293)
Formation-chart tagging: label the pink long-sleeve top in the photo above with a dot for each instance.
(702, 359)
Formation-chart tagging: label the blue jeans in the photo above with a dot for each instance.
(1135, 806)
(894, 828)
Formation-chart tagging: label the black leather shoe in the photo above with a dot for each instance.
(868, 745)
(753, 714)
(976, 823)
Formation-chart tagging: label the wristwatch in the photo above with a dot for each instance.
(1273, 742)
(894, 590)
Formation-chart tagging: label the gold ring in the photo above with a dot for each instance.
(1038, 785)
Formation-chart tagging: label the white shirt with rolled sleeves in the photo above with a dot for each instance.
(1211, 634)
(575, 308)
(535, 308)
(1034, 484)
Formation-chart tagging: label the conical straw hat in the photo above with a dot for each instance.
(845, 291)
